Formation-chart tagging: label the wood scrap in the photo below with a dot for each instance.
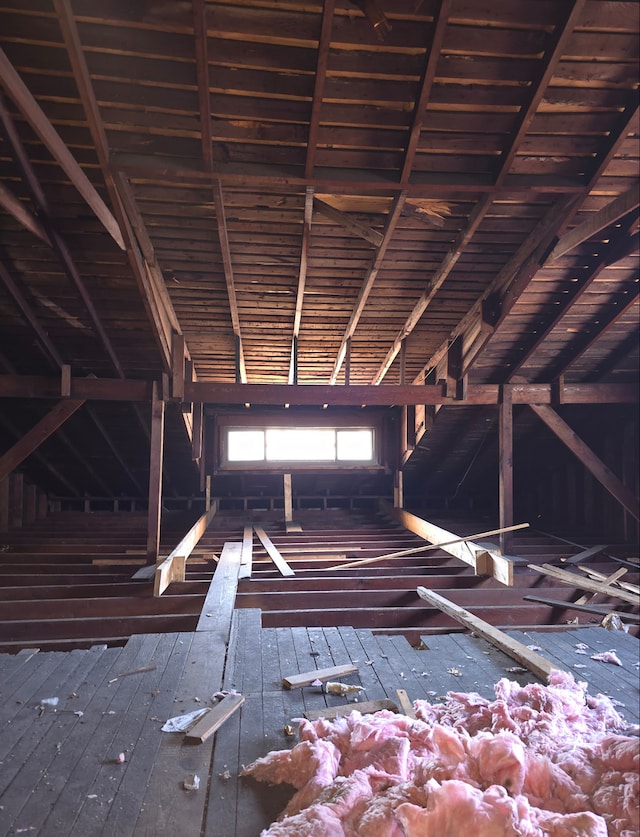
(585, 554)
(406, 707)
(581, 583)
(605, 580)
(213, 720)
(366, 707)
(296, 681)
(217, 609)
(133, 671)
(626, 585)
(519, 652)
(273, 553)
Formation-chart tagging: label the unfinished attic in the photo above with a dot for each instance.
(319, 365)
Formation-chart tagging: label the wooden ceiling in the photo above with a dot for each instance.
(367, 192)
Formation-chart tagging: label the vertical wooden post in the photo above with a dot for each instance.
(42, 506)
(17, 500)
(398, 489)
(196, 441)
(207, 496)
(156, 455)
(29, 503)
(177, 366)
(4, 504)
(347, 363)
(288, 505)
(505, 433)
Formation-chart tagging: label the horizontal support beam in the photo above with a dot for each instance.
(386, 395)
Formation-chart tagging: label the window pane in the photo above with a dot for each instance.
(301, 444)
(355, 445)
(245, 445)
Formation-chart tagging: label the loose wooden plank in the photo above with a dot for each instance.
(247, 553)
(585, 583)
(366, 707)
(484, 562)
(586, 608)
(519, 652)
(214, 719)
(586, 554)
(610, 579)
(170, 570)
(296, 681)
(273, 553)
(218, 605)
(615, 577)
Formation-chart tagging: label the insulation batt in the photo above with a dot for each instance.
(538, 761)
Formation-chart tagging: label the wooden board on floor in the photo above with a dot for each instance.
(220, 599)
(246, 560)
(272, 552)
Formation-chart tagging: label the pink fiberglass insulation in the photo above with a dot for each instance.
(538, 761)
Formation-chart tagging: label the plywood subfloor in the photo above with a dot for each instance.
(59, 768)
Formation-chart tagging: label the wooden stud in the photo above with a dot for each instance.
(288, 505)
(156, 456)
(505, 465)
(4, 504)
(16, 501)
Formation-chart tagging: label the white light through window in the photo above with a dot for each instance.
(355, 445)
(301, 445)
(245, 445)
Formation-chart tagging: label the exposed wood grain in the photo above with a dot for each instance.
(273, 552)
(296, 681)
(517, 650)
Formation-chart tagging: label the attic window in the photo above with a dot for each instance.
(301, 445)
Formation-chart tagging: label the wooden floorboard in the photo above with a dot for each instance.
(59, 769)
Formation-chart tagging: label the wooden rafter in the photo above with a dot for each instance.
(36, 117)
(22, 215)
(302, 280)
(349, 223)
(562, 32)
(618, 249)
(420, 107)
(202, 72)
(392, 221)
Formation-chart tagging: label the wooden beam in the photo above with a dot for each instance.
(582, 583)
(393, 218)
(519, 652)
(135, 390)
(37, 435)
(19, 211)
(481, 559)
(170, 570)
(351, 224)
(156, 457)
(217, 609)
(36, 117)
(186, 545)
(273, 553)
(591, 462)
(595, 223)
(177, 364)
(4, 504)
(302, 281)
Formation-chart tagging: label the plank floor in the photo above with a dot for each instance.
(60, 771)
